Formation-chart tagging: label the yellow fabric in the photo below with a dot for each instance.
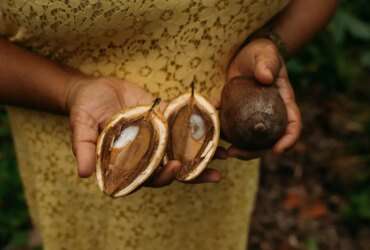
(161, 45)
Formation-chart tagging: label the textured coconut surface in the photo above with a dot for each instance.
(253, 116)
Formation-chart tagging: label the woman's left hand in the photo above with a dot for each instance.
(261, 59)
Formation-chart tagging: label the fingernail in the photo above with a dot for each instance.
(83, 174)
(232, 153)
(216, 180)
(268, 72)
(216, 177)
(277, 152)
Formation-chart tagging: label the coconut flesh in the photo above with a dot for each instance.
(193, 133)
(129, 149)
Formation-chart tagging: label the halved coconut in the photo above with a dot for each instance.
(129, 149)
(194, 131)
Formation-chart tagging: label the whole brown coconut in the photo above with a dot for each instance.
(253, 116)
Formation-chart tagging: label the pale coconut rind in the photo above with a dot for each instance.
(159, 124)
(206, 107)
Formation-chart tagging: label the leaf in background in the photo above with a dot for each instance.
(311, 244)
(355, 26)
(358, 210)
(337, 28)
(4, 126)
(365, 59)
(4, 131)
(295, 66)
(362, 202)
(19, 239)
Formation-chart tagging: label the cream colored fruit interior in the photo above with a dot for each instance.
(159, 124)
(207, 108)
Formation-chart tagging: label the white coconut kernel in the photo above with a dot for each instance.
(197, 125)
(126, 137)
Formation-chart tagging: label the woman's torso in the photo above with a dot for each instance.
(161, 45)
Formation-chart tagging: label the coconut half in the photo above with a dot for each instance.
(194, 131)
(129, 149)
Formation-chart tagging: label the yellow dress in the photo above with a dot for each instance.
(160, 45)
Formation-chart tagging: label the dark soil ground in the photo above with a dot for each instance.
(317, 195)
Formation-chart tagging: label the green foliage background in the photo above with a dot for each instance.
(340, 55)
(338, 59)
(14, 219)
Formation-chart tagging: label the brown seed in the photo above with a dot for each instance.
(129, 149)
(126, 161)
(253, 116)
(194, 133)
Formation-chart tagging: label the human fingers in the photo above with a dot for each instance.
(267, 64)
(209, 175)
(294, 126)
(164, 175)
(221, 153)
(84, 131)
(244, 154)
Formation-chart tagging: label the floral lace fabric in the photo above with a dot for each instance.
(162, 45)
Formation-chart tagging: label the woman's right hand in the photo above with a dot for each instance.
(90, 103)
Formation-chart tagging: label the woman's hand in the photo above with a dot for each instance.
(90, 103)
(260, 59)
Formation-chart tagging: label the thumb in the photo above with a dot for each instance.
(267, 67)
(84, 137)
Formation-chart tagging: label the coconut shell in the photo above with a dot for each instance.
(253, 116)
(159, 124)
(209, 148)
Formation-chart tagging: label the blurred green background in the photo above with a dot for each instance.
(335, 65)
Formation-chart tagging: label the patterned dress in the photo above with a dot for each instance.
(160, 45)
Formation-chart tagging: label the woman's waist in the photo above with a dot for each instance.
(164, 76)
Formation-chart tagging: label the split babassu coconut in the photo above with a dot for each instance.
(194, 131)
(129, 149)
(135, 141)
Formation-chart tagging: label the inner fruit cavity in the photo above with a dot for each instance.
(190, 132)
(127, 149)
